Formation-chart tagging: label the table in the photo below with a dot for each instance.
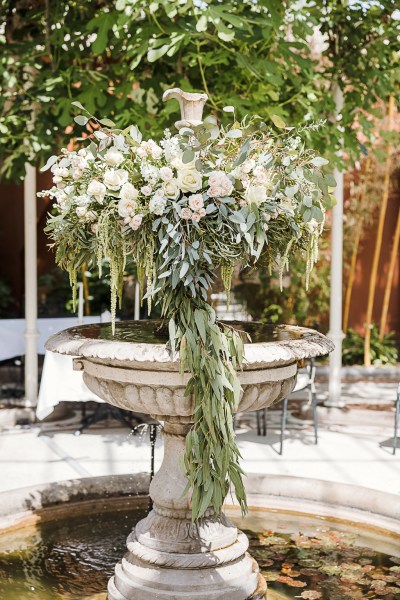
(12, 340)
(60, 383)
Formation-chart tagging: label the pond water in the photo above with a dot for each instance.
(71, 558)
(156, 332)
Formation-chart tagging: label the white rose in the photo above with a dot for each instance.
(81, 211)
(151, 149)
(196, 202)
(171, 189)
(202, 212)
(196, 217)
(136, 222)
(248, 165)
(256, 194)
(157, 204)
(97, 190)
(189, 180)
(156, 151)
(140, 152)
(61, 172)
(113, 157)
(129, 192)
(126, 207)
(146, 190)
(114, 180)
(77, 174)
(166, 173)
(79, 162)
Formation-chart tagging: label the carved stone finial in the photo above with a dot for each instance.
(191, 105)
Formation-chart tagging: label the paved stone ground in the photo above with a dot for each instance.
(354, 445)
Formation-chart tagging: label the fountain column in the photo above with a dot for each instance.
(170, 556)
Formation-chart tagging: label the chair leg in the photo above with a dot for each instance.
(315, 411)
(283, 423)
(258, 422)
(396, 425)
(264, 421)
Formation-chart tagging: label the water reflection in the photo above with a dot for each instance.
(156, 332)
(301, 557)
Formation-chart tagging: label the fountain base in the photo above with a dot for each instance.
(137, 580)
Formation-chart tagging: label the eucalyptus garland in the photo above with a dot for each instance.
(207, 198)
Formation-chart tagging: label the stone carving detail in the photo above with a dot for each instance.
(169, 556)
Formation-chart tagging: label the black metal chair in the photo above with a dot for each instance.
(396, 419)
(305, 381)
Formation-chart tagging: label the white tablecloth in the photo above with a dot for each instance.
(12, 341)
(60, 383)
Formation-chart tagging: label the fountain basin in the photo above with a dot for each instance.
(67, 536)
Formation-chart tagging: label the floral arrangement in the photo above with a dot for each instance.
(207, 198)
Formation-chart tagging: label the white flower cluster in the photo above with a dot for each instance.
(148, 178)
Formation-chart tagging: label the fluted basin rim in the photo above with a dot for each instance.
(309, 343)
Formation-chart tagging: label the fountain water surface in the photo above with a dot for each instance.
(169, 556)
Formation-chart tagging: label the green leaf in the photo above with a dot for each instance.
(184, 270)
(199, 320)
(278, 121)
(107, 122)
(318, 161)
(81, 120)
(234, 133)
(78, 105)
(50, 162)
(187, 156)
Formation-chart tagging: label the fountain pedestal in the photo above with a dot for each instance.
(169, 556)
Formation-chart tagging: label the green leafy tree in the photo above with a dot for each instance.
(117, 58)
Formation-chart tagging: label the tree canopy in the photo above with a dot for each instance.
(117, 57)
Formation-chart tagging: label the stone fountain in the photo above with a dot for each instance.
(169, 556)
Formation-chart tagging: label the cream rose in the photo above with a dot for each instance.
(81, 211)
(113, 157)
(256, 194)
(166, 173)
(146, 190)
(171, 189)
(189, 180)
(114, 180)
(126, 207)
(129, 192)
(97, 190)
